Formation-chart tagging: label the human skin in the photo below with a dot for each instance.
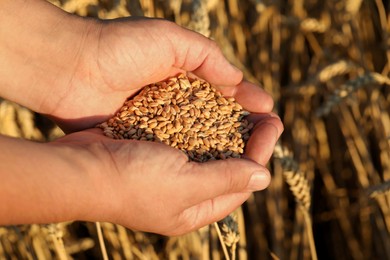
(78, 71)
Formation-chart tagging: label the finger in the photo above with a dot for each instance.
(250, 96)
(202, 56)
(256, 118)
(82, 136)
(211, 211)
(203, 181)
(262, 141)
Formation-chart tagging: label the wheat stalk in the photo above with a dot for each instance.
(101, 240)
(221, 241)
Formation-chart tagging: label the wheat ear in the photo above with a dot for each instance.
(220, 237)
(300, 188)
(230, 234)
(380, 189)
(200, 20)
(56, 237)
(350, 87)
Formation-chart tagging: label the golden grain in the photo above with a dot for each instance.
(200, 121)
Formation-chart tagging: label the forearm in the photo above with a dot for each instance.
(39, 45)
(41, 183)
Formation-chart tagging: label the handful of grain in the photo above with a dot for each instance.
(191, 115)
(188, 114)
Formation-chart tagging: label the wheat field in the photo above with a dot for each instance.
(327, 66)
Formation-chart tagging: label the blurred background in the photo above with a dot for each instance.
(327, 65)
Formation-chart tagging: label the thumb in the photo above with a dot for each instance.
(205, 181)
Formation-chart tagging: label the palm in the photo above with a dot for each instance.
(147, 184)
(129, 54)
(153, 187)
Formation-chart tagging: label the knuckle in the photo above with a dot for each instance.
(184, 223)
(214, 47)
(232, 179)
(163, 23)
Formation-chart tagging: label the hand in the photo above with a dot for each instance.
(79, 72)
(141, 185)
(152, 187)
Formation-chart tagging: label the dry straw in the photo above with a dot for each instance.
(56, 235)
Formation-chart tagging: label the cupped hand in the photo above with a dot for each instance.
(119, 57)
(148, 186)
(153, 187)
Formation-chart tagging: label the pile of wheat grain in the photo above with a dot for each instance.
(190, 115)
(185, 113)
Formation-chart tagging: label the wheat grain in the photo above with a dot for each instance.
(188, 114)
(191, 115)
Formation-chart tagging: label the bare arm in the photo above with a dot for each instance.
(39, 50)
(41, 184)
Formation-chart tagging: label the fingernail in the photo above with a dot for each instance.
(259, 181)
(272, 114)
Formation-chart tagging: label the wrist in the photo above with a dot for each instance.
(41, 189)
(93, 195)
